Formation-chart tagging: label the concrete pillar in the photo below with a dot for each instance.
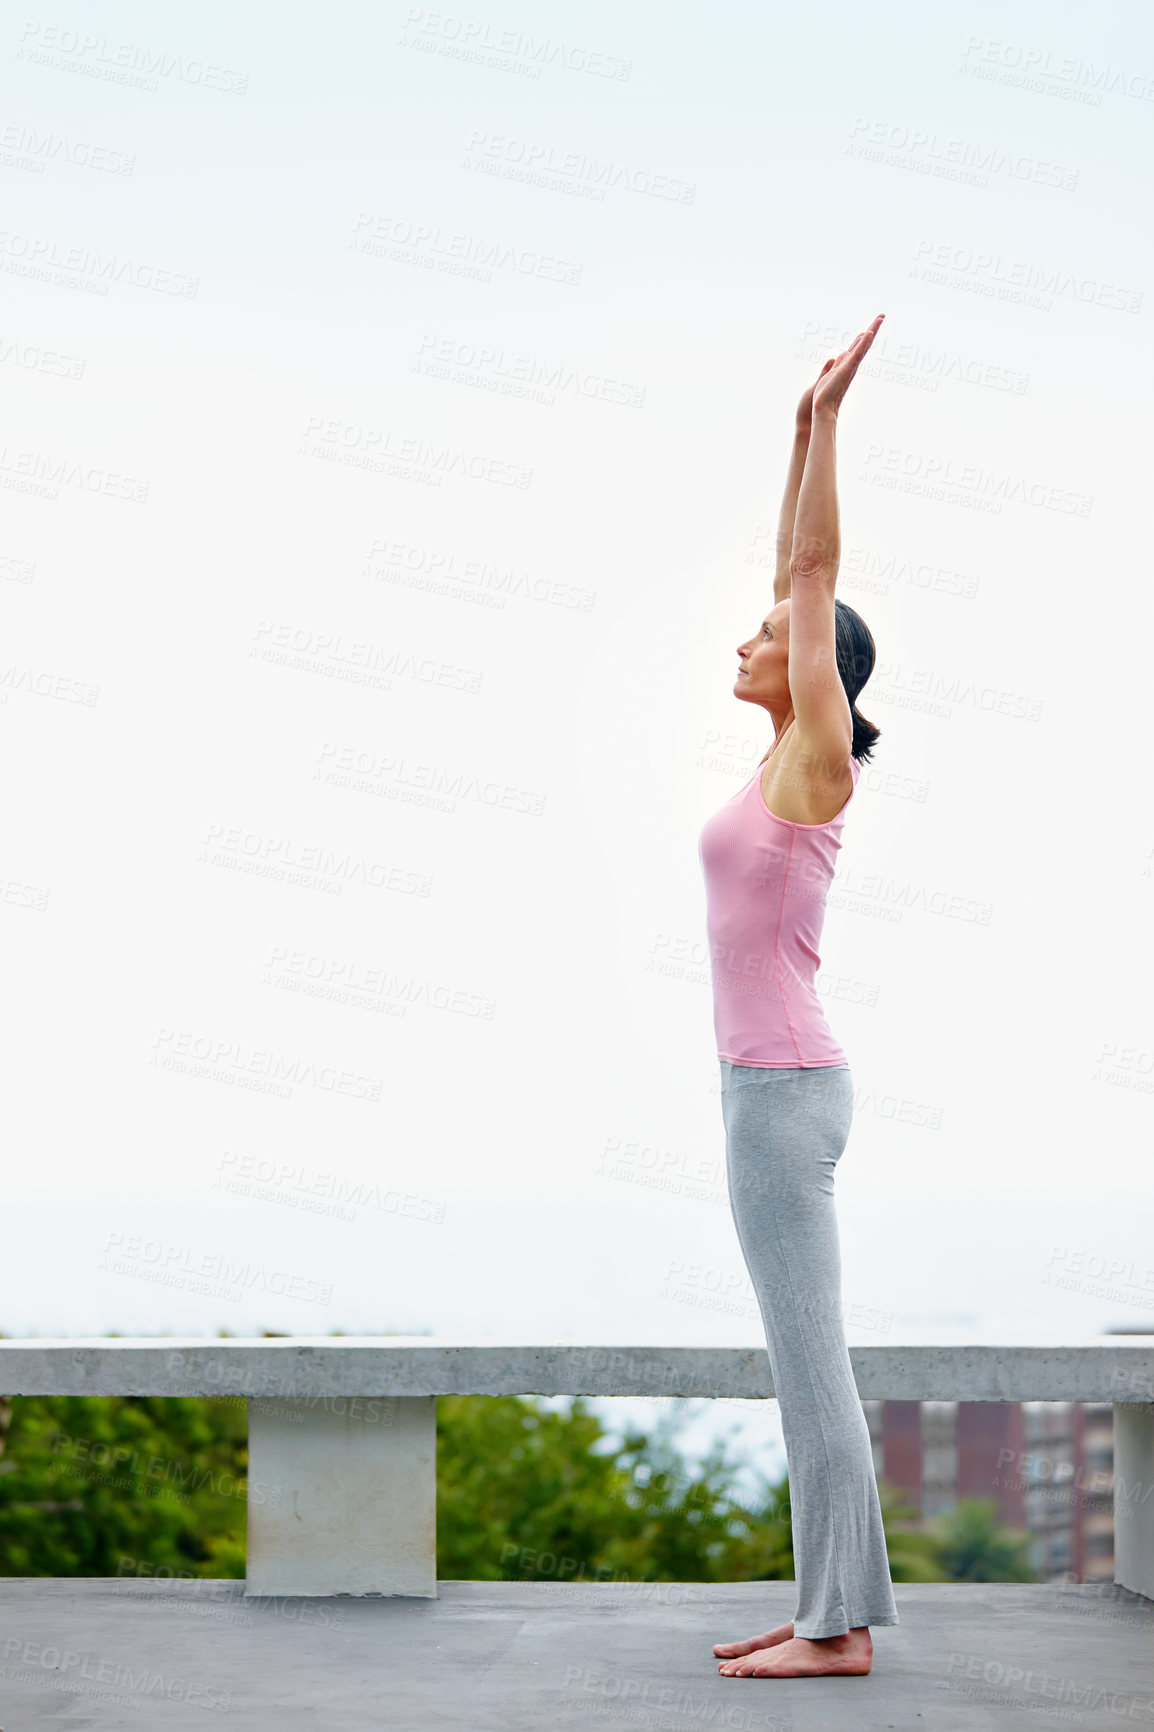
(342, 1496)
(1134, 1496)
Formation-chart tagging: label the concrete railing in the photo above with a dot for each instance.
(342, 1438)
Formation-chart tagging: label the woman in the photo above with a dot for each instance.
(768, 857)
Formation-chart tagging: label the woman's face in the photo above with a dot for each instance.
(763, 675)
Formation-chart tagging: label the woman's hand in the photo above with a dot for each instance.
(805, 407)
(837, 375)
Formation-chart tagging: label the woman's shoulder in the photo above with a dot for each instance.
(808, 785)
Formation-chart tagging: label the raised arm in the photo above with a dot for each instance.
(816, 546)
(801, 433)
(819, 701)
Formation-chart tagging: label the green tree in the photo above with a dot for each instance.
(911, 1550)
(530, 1492)
(112, 1485)
(972, 1547)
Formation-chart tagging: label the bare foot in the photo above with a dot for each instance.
(803, 1657)
(732, 1650)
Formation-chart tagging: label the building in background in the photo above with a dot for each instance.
(1047, 1466)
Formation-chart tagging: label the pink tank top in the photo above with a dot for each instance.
(766, 882)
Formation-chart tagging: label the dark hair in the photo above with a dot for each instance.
(856, 654)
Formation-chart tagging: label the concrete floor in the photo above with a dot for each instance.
(82, 1654)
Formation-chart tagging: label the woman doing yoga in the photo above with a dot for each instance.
(768, 857)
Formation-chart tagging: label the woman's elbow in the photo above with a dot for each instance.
(813, 568)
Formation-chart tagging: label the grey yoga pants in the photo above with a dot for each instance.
(785, 1130)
